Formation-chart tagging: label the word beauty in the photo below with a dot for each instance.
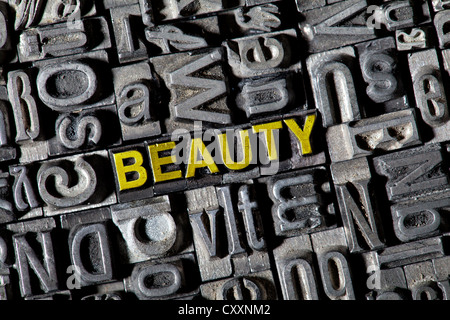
(131, 173)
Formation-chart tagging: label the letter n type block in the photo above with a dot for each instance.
(301, 201)
(361, 221)
(418, 188)
(131, 173)
(28, 257)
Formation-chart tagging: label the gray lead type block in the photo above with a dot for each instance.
(301, 202)
(430, 93)
(92, 263)
(294, 261)
(178, 275)
(133, 86)
(81, 83)
(388, 132)
(331, 249)
(339, 65)
(219, 226)
(254, 286)
(381, 71)
(198, 88)
(352, 183)
(42, 265)
(247, 56)
(150, 229)
(64, 39)
(336, 25)
(404, 254)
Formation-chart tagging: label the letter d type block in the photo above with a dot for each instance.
(391, 131)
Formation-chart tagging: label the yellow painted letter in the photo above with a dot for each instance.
(197, 145)
(267, 129)
(246, 151)
(157, 162)
(136, 167)
(303, 136)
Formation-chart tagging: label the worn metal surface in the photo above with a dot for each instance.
(224, 150)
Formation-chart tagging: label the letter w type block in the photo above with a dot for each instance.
(197, 87)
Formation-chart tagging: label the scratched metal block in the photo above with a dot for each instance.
(27, 117)
(335, 25)
(388, 132)
(413, 39)
(7, 147)
(151, 229)
(417, 182)
(295, 266)
(414, 173)
(422, 281)
(108, 4)
(244, 21)
(269, 95)
(440, 23)
(6, 53)
(75, 183)
(64, 39)
(254, 286)
(128, 33)
(330, 247)
(88, 130)
(302, 201)
(198, 88)
(263, 54)
(183, 36)
(382, 72)
(404, 254)
(221, 248)
(387, 284)
(173, 9)
(34, 251)
(76, 83)
(334, 79)
(6, 263)
(171, 278)
(439, 5)
(62, 295)
(35, 12)
(354, 191)
(89, 244)
(401, 14)
(431, 99)
(24, 195)
(136, 103)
